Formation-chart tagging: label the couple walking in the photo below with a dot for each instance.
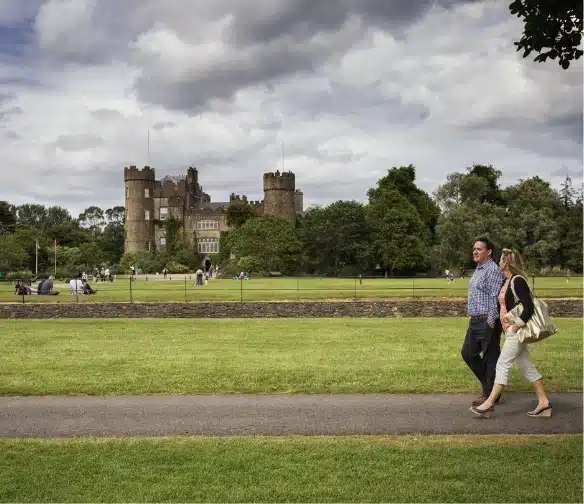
(490, 298)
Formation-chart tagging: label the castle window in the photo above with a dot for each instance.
(207, 224)
(127, 192)
(146, 214)
(208, 246)
(162, 244)
(146, 193)
(163, 213)
(147, 246)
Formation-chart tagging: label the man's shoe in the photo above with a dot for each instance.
(479, 400)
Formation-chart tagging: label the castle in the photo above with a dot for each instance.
(149, 202)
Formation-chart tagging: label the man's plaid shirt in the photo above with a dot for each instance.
(483, 289)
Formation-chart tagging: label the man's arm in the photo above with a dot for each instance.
(494, 280)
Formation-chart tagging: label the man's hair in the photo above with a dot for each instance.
(488, 243)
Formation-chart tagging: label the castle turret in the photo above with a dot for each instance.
(299, 201)
(139, 227)
(279, 195)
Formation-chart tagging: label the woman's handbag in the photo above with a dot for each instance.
(539, 327)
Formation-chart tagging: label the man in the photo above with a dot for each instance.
(482, 344)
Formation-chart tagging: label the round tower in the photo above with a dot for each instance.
(139, 227)
(279, 195)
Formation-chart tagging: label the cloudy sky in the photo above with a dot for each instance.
(344, 88)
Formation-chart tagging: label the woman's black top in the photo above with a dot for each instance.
(524, 295)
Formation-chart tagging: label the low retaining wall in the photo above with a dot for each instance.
(319, 309)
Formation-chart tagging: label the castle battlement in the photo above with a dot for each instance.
(279, 181)
(133, 173)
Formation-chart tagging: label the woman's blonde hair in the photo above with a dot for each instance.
(513, 260)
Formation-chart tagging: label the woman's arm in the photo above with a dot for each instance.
(524, 295)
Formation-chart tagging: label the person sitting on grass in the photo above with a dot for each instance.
(46, 287)
(87, 289)
(76, 285)
(24, 290)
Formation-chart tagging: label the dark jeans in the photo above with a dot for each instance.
(481, 350)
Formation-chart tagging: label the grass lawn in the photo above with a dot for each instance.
(264, 289)
(141, 356)
(297, 469)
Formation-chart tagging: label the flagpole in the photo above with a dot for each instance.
(148, 147)
(36, 259)
(55, 244)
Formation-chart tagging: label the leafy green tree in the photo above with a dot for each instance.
(92, 218)
(404, 180)
(552, 28)
(402, 218)
(239, 212)
(335, 237)
(267, 243)
(7, 218)
(570, 226)
(532, 221)
(14, 256)
(480, 184)
(400, 236)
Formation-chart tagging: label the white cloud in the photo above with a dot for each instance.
(349, 93)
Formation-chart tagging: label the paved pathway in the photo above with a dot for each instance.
(279, 415)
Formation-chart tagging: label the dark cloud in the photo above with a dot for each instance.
(78, 142)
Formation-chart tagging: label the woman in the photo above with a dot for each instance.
(511, 265)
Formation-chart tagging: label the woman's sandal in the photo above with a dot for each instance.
(481, 412)
(541, 412)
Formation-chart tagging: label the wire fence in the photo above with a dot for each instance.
(184, 288)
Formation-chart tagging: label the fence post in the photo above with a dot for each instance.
(241, 290)
(185, 288)
(131, 301)
(76, 293)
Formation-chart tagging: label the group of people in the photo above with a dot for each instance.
(491, 296)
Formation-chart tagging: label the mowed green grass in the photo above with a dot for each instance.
(298, 469)
(181, 289)
(146, 356)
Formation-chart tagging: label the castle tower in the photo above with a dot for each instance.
(139, 228)
(193, 199)
(299, 201)
(279, 195)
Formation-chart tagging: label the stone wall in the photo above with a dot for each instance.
(376, 309)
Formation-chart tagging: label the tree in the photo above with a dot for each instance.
(335, 237)
(7, 218)
(116, 214)
(532, 222)
(400, 236)
(402, 219)
(552, 28)
(404, 180)
(14, 256)
(239, 212)
(479, 184)
(92, 219)
(266, 243)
